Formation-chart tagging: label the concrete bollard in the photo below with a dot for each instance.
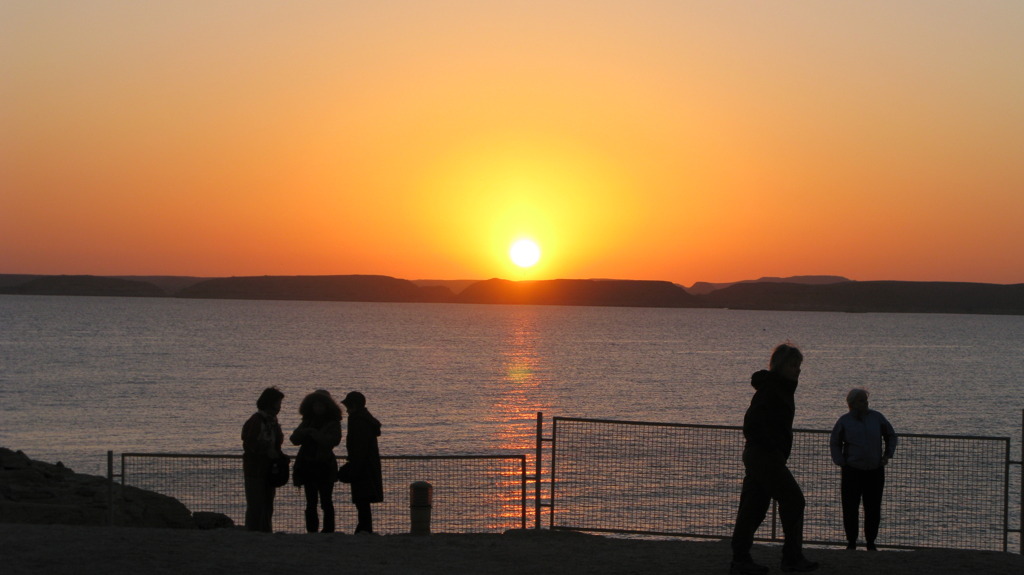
(421, 500)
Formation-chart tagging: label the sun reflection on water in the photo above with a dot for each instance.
(521, 386)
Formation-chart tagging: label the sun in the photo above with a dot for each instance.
(525, 253)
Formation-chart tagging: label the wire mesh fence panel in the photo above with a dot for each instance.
(636, 477)
(471, 493)
(202, 482)
(642, 478)
(939, 492)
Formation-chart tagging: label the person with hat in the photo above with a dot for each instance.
(363, 465)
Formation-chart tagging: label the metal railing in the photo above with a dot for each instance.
(472, 493)
(683, 480)
(643, 478)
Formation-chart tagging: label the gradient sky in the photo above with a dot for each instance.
(674, 140)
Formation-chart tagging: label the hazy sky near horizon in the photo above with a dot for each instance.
(657, 139)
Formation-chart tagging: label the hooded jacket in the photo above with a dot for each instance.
(768, 422)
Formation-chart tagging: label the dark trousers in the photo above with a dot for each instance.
(866, 485)
(322, 492)
(365, 517)
(767, 478)
(259, 502)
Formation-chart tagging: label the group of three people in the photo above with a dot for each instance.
(316, 469)
(855, 445)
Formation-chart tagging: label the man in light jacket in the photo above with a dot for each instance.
(856, 446)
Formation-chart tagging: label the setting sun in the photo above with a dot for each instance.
(525, 253)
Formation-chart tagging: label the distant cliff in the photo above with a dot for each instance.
(366, 288)
(812, 293)
(626, 293)
(873, 296)
(83, 285)
(703, 288)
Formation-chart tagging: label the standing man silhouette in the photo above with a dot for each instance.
(856, 446)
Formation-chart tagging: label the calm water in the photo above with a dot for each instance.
(79, 376)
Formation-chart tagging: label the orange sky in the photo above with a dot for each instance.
(685, 141)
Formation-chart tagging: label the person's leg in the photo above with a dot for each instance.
(782, 486)
(851, 493)
(754, 503)
(874, 485)
(253, 503)
(312, 519)
(268, 502)
(327, 504)
(365, 514)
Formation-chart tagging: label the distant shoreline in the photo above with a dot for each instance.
(808, 293)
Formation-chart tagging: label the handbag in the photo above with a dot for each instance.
(279, 470)
(345, 473)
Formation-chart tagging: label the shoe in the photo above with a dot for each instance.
(871, 547)
(746, 567)
(851, 546)
(801, 565)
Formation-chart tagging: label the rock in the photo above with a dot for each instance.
(42, 493)
(211, 520)
(13, 459)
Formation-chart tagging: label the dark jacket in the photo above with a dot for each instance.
(317, 439)
(769, 419)
(316, 463)
(364, 457)
(261, 441)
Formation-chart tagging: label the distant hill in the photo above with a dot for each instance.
(805, 293)
(365, 288)
(84, 285)
(170, 284)
(873, 296)
(702, 288)
(11, 280)
(631, 293)
(455, 285)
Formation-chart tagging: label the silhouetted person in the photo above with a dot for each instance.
(316, 467)
(768, 429)
(363, 459)
(856, 446)
(261, 440)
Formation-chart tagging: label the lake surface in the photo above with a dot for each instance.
(79, 375)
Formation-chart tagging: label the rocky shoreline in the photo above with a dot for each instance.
(36, 492)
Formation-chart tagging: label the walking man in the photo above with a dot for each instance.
(856, 446)
(768, 429)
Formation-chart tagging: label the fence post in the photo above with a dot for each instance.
(537, 470)
(421, 500)
(1020, 518)
(110, 488)
(775, 523)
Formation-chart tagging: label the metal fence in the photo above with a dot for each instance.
(472, 493)
(644, 478)
(683, 480)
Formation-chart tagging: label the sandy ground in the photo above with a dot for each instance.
(58, 549)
